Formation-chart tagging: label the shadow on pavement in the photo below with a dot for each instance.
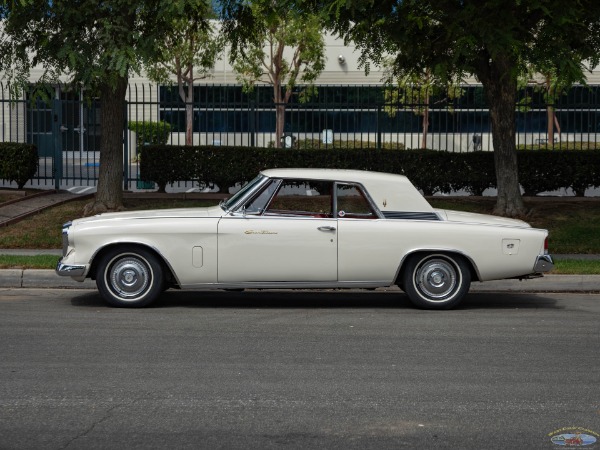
(323, 299)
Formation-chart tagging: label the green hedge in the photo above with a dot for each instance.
(150, 133)
(430, 171)
(18, 162)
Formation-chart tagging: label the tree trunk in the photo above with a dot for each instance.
(279, 115)
(280, 112)
(109, 194)
(550, 118)
(189, 123)
(501, 93)
(186, 93)
(425, 127)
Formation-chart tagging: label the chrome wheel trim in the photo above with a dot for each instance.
(129, 277)
(437, 279)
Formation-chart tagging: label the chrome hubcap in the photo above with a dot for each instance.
(436, 279)
(130, 277)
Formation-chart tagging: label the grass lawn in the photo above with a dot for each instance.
(574, 225)
(44, 230)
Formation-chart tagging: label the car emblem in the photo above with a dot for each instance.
(259, 232)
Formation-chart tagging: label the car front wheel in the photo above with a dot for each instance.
(436, 281)
(129, 277)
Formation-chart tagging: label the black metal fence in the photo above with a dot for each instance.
(66, 127)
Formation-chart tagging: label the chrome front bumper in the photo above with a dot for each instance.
(543, 263)
(67, 270)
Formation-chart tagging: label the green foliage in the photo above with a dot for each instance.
(187, 53)
(549, 170)
(95, 46)
(494, 40)
(431, 171)
(276, 27)
(277, 43)
(92, 43)
(416, 93)
(150, 133)
(18, 162)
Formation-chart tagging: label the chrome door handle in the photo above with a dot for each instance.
(326, 228)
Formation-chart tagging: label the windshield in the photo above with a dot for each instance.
(231, 202)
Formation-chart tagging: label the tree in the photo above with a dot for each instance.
(189, 53)
(415, 92)
(275, 43)
(96, 45)
(549, 83)
(492, 40)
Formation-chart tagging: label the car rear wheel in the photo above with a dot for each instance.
(129, 277)
(436, 281)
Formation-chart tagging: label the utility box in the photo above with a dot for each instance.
(327, 136)
(288, 140)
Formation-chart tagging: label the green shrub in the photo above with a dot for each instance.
(18, 162)
(579, 145)
(150, 133)
(430, 171)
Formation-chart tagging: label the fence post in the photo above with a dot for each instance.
(125, 147)
(57, 164)
(378, 127)
(252, 123)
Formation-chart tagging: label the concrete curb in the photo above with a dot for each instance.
(47, 279)
(548, 283)
(40, 279)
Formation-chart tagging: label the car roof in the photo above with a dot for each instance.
(390, 192)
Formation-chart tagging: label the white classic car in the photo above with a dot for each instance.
(303, 228)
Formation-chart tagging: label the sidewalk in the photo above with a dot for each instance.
(18, 209)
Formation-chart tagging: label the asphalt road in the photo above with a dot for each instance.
(262, 370)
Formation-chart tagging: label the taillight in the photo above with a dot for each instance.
(546, 246)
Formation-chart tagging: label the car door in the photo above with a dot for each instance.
(366, 243)
(287, 233)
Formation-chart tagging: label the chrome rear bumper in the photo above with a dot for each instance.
(543, 263)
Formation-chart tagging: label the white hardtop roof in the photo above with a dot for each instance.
(390, 192)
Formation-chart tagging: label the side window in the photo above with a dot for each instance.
(258, 203)
(302, 198)
(352, 203)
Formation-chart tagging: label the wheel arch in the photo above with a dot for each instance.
(471, 264)
(170, 276)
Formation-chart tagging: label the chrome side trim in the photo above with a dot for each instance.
(407, 215)
(438, 250)
(543, 263)
(66, 270)
(290, 285)
(141, 244)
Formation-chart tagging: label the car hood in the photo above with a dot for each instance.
(213, 211)
(480, 219)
